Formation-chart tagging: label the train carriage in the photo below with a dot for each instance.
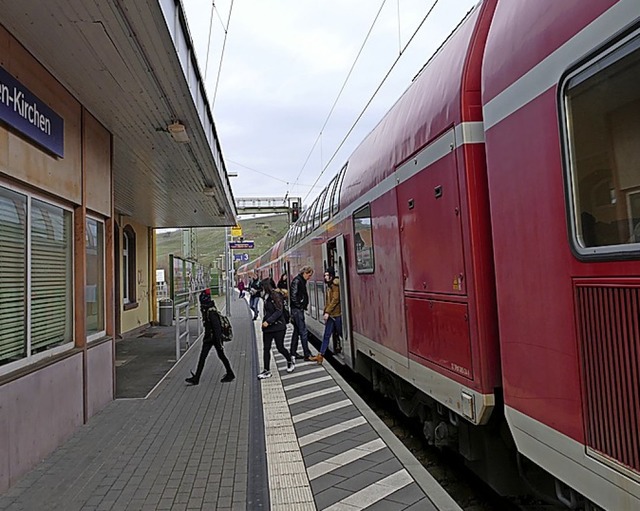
(487, 236)
(562, 127)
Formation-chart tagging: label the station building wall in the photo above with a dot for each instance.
(137, 296)
(56, 259)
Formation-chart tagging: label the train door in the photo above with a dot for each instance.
(341, 267)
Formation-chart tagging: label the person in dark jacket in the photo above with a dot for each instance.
(254, 292)
(283, 283)
(212, 339)
(273, 328)
(299, 302)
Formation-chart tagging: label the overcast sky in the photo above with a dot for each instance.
(283, 66)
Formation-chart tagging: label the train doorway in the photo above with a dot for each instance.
(337, 249)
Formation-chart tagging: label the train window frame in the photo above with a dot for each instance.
(361, 220)
(335, 196)
(313, 223)
(330, 196)
(325, 211)
(304, 225)
(600, 224)
(317, 217)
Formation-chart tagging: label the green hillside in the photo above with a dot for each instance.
(209, 242)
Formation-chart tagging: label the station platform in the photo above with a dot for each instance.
(300, 441)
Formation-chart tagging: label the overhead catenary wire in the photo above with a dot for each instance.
(213, 9)
(224, 44)
(353, 65)
(384, 79)
(266, 175)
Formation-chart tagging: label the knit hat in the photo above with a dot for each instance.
(205, 299)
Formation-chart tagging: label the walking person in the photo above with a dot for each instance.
(212, 339)
(241, 288)
(332, 312)
(274, 328)
(254, 292)
(299, 300)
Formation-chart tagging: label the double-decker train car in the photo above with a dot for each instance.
(487, 238)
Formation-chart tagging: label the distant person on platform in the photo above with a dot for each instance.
(241, 288)
(299, 300)
(274, 327)
(283, 284)
(332, 312)
(212, 339)
(254, 292)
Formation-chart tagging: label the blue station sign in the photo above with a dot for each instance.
(240, 245)
(26, 113)
(240, 257)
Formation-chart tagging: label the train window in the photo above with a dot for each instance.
(313, 217)
(363, 240)
(335, 195)
(317, 219)
(326, 204)
(601, 104)
(304, 225)
(331, 193)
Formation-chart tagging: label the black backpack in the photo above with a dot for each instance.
(227, 329)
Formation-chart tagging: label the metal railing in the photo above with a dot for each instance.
(182, 313)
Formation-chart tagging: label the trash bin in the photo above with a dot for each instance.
(166, 312)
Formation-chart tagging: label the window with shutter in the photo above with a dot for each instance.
(13, 272)
(51, 276)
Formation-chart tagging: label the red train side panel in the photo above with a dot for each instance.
(550, 340)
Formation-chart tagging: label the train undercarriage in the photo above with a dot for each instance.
(488, 450)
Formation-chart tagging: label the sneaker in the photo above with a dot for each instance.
(264, 374)
(291, 365)
(228, 377)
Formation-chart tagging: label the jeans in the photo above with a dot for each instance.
(299, 330)
(253, 305)
(331, 325)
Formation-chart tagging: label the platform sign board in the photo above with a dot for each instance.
(31, 116)
(241, 245)
(240, 257)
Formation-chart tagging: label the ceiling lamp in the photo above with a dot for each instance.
(178, 132)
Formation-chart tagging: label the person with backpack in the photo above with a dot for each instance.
(216, 329)
(274, 327)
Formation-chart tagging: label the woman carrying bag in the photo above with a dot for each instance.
(274, 327)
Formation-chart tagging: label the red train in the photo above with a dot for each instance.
(487, 236)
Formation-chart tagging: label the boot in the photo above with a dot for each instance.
(318, 358)
(228, 377)
(193, 380)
